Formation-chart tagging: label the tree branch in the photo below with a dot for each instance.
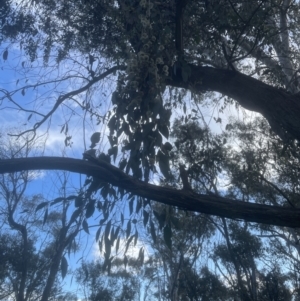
(281, 109)
(186, 200)
(22, 229)
(62, 98)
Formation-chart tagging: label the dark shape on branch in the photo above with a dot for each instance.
(184, 178)
(95, 138)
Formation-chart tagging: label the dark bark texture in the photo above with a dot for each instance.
(281, 109)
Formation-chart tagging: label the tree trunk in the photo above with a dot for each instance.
(242, 290)
(53, 272)
(22, 229)
(62, 243)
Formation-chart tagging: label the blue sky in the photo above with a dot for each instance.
(50, 140)
(13, 77)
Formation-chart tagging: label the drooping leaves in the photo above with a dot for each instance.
(122, 164)
(125, 261)
(128, 243)
(161, 217)
(90, 208)
(98, 233)
(45, 216)
(168, 236)
(146, 217)
(131, 205)
(79, 201)
(85, 226)
(136, 236)
(164, 165)
(75, 215)
(5, 55)
(128, 229)
(41, 205)
(113, 152)
(141, 256)
(64, 267)
(138, 205)
(118, 244)
(152, 231)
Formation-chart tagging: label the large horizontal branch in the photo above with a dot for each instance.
(280, 108)
(187, 200)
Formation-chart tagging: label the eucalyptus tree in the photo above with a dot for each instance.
(136, 66)
(157, 54)
(120, 284)
(35, 233)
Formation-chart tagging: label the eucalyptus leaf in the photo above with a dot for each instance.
(85, 226)
(41, 205)
(64, 267)
(168, 236)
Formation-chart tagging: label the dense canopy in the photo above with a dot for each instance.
(166, 60)
(187, 113)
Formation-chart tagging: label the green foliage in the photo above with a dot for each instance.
(64, 267)
(202, 286)
(119, 285)
(139, 35)
(149, 122)
(274, 286)
(168, 236)
(12, 264)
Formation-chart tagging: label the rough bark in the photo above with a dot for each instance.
(186, 200)
(280, 108)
